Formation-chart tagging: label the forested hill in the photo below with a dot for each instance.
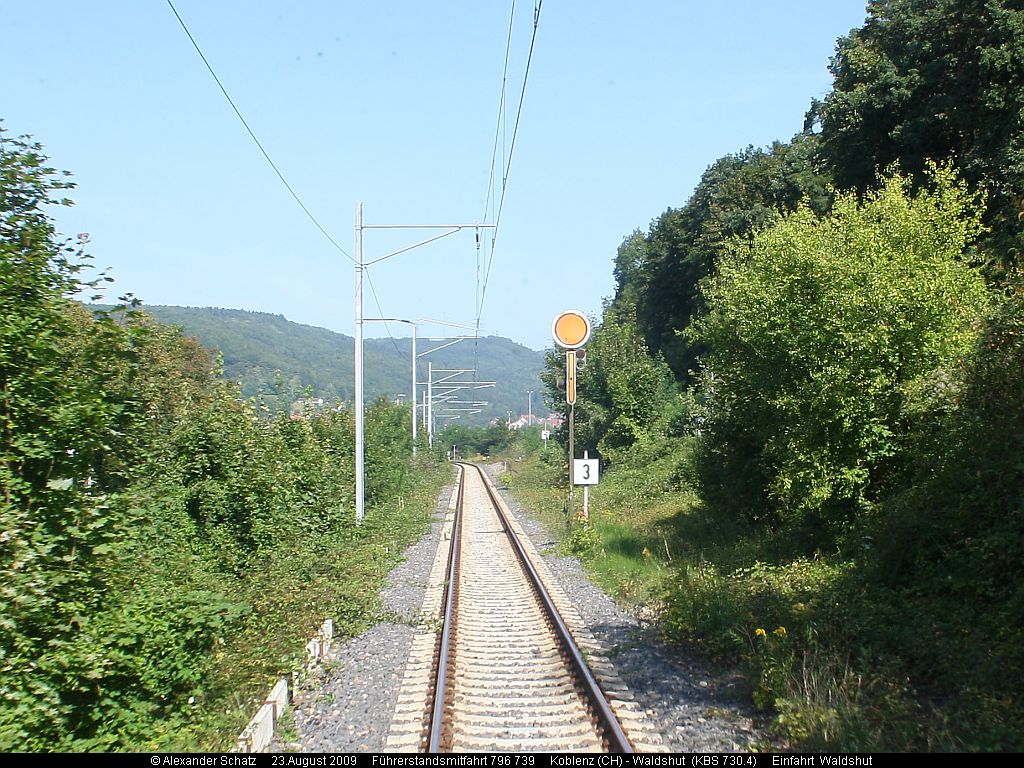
(256, 345)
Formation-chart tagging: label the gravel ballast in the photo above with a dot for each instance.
(347, 705)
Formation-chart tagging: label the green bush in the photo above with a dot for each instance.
(822, 332)
(165, 546)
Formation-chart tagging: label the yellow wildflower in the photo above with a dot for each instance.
(780, 632)
(759, 632)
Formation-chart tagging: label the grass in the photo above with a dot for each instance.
(837, 661)
(630, 540)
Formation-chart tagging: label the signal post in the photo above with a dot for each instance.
(571, 330)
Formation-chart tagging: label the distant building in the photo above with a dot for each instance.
(551, 421)
(307, 407)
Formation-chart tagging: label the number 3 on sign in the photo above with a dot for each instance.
(585, 471)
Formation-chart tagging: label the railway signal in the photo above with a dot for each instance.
(571, 330)
(570, 376)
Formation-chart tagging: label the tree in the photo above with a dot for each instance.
(658, 275)
(57, 424)
(826, 335)
(622, 389)
(925, 80)
(84, 399)
(143, 501)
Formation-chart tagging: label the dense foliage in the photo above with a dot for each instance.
(925, 80)
(828, 337)
(658, 274)
(164, 544)
(472, 442)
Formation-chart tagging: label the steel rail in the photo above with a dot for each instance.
(601, 709)
(447, 628)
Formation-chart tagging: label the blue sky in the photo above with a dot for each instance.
(395, 104)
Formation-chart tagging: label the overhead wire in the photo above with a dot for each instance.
(498, 137)
(508, 164)
(488, 197)
(380, 312)
(500, 134)
(252, 135)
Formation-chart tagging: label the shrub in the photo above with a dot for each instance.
(818, 330)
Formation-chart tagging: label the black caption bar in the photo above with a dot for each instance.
(521, 760)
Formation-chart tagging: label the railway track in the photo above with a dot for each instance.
(503, 662)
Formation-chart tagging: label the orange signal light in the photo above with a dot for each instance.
(571, 329)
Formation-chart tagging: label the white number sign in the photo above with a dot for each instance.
(585, 471)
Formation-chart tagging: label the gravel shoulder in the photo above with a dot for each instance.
(346, 706)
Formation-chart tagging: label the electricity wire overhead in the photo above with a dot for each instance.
(499, 142)
(380, 312)
(252, 135)
(507, 162)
